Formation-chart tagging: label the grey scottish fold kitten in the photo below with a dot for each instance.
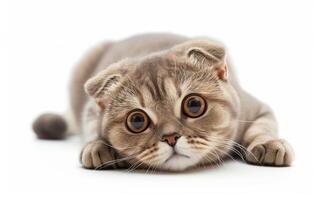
(164, 102)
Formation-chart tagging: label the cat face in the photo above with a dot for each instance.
(172, 110)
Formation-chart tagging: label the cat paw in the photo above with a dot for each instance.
(95, 155)
(276, 152)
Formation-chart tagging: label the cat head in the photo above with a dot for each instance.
(171, 110)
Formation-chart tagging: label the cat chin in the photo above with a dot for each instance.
(178, 163)
(179, 159)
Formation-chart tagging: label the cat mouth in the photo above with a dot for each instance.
(175, 155)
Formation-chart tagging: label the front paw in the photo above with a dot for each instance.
(95, 155)
(273, 152)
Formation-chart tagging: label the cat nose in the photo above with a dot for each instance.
(170, 139)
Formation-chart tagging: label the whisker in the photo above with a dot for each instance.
(226, 153)
(230, 143)
(111, 162)
(156, 167)
(134, 166)
(218, 162)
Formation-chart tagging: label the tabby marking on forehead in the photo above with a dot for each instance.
(171, 89)
(147, 96)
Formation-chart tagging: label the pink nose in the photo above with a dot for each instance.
(170, 139)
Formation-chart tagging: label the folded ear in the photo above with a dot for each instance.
(101, 85)
(208, 54)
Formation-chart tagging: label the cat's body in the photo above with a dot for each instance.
(162, 82)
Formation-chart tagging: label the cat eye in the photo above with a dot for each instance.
(194, 105)
(137, 121)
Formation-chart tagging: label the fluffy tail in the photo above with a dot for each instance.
(50, 127)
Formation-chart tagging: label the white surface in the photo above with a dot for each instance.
(272, 46)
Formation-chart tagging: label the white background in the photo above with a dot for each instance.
(272, 44)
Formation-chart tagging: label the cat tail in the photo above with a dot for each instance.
(51, 126)
(57, 126)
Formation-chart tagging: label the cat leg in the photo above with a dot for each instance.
(262, 142)
(97, 154)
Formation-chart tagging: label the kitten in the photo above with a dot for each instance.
(165, 102)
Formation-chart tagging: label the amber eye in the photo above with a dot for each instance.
(137, 121)
(194, 105)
